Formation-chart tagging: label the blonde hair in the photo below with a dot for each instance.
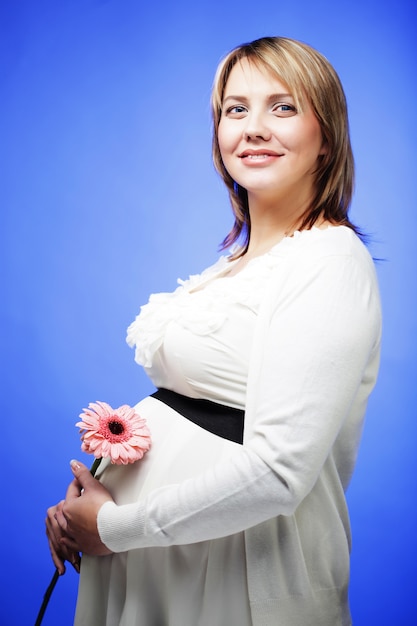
(309, 77)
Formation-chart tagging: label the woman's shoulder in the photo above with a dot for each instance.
(318, 243)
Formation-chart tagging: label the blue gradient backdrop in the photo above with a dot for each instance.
(108, 193)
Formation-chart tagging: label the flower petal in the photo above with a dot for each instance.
(120, 434)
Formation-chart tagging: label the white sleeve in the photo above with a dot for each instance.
(322, 334)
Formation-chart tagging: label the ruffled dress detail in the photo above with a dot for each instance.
(201, 304)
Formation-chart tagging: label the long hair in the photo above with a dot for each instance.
(310, 78)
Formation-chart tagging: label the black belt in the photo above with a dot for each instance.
(221, 420)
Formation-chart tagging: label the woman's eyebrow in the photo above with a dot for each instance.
(272, 97)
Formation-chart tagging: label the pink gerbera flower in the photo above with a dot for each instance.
(120, 434)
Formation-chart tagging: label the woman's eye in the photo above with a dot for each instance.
(236, 109)
(285, 109)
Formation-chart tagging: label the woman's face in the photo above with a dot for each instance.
(267, 146)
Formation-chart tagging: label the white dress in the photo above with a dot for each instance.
(207, 532)
(197, 342)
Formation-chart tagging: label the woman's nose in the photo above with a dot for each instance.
(256, 128)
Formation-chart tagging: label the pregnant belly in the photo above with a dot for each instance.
(179, 450)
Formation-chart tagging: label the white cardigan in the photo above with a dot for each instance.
(314, 363)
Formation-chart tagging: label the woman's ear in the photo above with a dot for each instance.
(324, 148)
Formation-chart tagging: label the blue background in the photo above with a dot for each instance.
(108, 193)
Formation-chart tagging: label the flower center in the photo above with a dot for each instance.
(115, 427)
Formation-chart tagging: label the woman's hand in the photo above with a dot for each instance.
(59, 552)
(77, 515)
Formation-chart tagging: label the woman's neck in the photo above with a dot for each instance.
(274, 218)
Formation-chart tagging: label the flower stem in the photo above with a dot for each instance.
(46, 598)
(94, 466)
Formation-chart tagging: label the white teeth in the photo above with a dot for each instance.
(257, 156)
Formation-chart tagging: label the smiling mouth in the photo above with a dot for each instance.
(257, 157)
(253, 155)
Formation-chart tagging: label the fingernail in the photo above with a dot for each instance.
(74, 464)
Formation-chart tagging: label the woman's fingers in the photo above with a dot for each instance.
(55, 534)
